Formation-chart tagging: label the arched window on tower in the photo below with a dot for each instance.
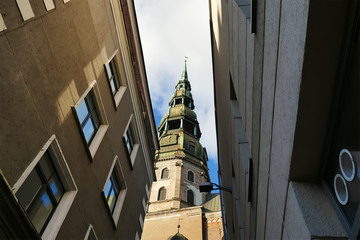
(190, 176)
(190, 197)
(162, 194)
(165, 173)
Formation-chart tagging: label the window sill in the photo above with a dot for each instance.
(60, 213)
(134, 154)
(95, 143)
(118, 96)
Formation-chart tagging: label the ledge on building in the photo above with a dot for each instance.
(309, 214)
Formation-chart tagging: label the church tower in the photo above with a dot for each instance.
(181, 162)
(176, 208)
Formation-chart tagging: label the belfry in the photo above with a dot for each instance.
(180, 167)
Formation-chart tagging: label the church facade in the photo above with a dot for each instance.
(176, 207)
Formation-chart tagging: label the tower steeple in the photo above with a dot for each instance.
(181, 162)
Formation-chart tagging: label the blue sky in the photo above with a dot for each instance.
(169, 31)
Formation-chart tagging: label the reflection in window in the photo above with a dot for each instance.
(41, 192)
(88, 117)
(113, 76)
(129, 140)
(162, 194)
(112, 191)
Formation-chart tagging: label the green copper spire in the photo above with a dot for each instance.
(184, 75)
(179, 130)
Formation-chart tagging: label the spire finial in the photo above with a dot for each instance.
(184, 75)
(178, 226)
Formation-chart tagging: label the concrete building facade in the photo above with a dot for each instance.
(77, 133)
(286, 79)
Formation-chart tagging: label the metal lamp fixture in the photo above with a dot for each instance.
(209, 186)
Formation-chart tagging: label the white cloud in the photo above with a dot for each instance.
(170, 30)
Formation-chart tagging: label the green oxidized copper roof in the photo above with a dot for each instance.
(179, 111)
(177, 236)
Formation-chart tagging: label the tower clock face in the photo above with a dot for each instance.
(169, 140)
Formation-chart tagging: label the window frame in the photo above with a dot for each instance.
(94, 143)
(193, 196)
(193, 176)
(159, 192)
(135, 146)
(115, 214)
(118, 94)
(162, 173)
(89, 231)
(44, 188)
(70, 189)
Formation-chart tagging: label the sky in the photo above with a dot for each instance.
(169, 31)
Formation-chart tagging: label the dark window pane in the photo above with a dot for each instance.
(95, 118)
(191, 176)
(115, 73)
(29, 189)
(90, 101)
(56, 187)
(92, 235)
(190, 197)
(82, 111)
(46, 165)
(40, 211)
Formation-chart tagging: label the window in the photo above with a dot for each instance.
(130, 141)
(90, 234)
(192, 147)
(162, 194)
(174, 124)
(190, 176)
(114, 191)
(41, 192)
(46, 190)
(342, 173)
(88, 117)
(165, 173)
(114, 74)
(190, 196)
(91, 119)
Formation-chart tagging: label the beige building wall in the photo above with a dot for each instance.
(162, 225)
(273, 61)
(48, 61)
